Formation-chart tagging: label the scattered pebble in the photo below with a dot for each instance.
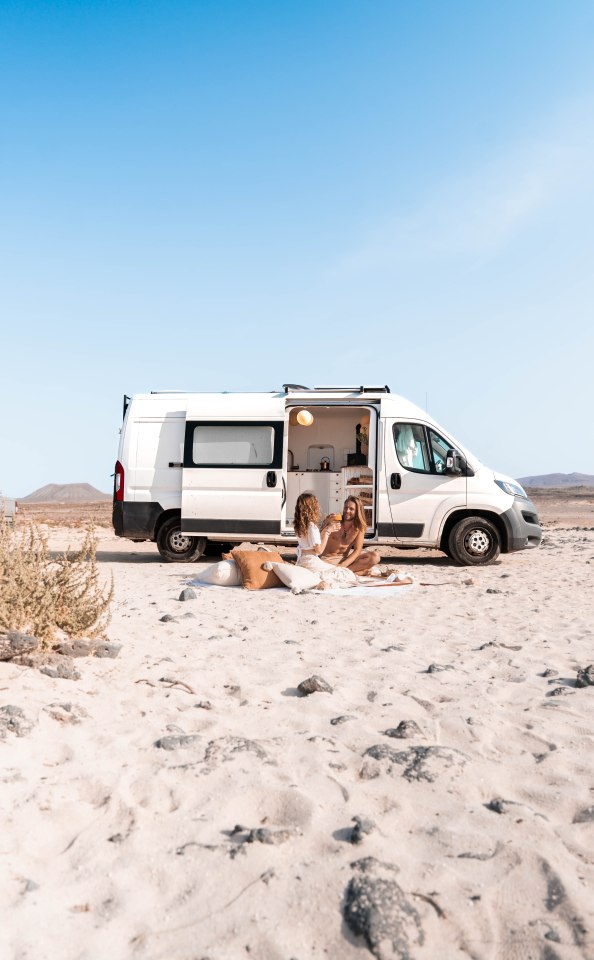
(405, 730)
(188, 593)
(376, 908)
(439, 667)
(314, 684)
(420, 763)
(13, 720)
(344, 719)
(493, 590)
(61, 668)
(361, 829)
(585, 676)
(182, 740)
(549, 672)
(584, 816)
(204, 705)
(110, 650)
(167, 618)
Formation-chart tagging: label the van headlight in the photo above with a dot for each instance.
(514, 489)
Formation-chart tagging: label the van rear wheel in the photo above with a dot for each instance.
(177, 547)
(474, 542)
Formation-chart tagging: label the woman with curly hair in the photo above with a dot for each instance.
(311, 542)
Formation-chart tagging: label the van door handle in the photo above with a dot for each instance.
(271, 478)
(395, 481)
(284, 500)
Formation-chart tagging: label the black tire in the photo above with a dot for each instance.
(177, 547)
(474, 542)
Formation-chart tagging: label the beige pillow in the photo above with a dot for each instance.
(296, 578)
(223, 574)
(250, 563)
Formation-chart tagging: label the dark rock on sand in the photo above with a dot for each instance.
(172, 742)
(376, 908)
(585, 676)
(188, 593)
(110, 650)
(498, 805)
(204, 705)
(361, 829)
(314, 684)
(13, 643)
(438, 667)
(493, 590)
(559, 692)
(167, 618)
(420, 763)
(584, 816)
(344, 719)
(61, 668)
(264, 835)
(405, 730)
(76, 648)
(549, 672)
(13, 720)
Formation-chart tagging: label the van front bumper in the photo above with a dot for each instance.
(135, 521)
(522, 525)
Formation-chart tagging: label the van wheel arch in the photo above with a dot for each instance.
(458, 515)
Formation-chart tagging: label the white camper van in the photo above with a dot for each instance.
(230, 466)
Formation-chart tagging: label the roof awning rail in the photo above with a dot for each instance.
(365, 388)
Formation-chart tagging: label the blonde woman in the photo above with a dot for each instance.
(344, 546)
(311, 542)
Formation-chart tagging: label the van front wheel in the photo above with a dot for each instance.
(177, 547)
(474, 542)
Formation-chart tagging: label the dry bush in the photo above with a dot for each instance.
(43, 594)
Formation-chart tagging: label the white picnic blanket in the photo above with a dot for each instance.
(361, 590)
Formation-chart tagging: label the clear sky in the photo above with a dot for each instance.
(230, 195)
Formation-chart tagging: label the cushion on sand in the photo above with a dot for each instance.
(223, 574)
(250, 563)
(246, 546)
(296, 578)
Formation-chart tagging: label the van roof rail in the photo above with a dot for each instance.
(365, 388)
(298, 388)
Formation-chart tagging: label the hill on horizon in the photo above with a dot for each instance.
(558, 480)
(65, 493)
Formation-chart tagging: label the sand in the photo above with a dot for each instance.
(112, 846)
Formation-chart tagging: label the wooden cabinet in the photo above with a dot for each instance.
(325, 485)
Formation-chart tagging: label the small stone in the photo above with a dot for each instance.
(376, 908)
(76, 648)
(30, 885)
(62, 668)
(497, 805)
(336, 720)
(549, 672)
(116, 838)
(204, 705)
(493, 590)
(585, 676)
(584, 816)
(559, 692)
(110, 650)
(420, 763)
(469, 582)
(405, 730)
(182, 740)
(13, 720)
(438, 667)
(13, 643)
(188, 593)
(314, 684)
(361, 829)
(167, 618)
(188, 616)
(264, 835)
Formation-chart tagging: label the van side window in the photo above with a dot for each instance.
(232, 445)
(411, 447)
(439, 450)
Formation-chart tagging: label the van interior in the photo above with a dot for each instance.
(331, 453)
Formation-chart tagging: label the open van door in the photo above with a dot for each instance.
(234, 465)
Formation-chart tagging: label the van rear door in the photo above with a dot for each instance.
(233, 466)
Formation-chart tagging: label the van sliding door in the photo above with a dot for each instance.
(233, 468)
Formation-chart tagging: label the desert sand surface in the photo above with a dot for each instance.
(183, 802)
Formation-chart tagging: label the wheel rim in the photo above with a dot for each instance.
(477, 542)
(179, 542)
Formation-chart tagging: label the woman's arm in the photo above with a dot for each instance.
(325, 533)
(354, 550)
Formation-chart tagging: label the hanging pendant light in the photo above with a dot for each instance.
(305, 418)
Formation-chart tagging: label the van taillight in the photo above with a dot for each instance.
(119, 481)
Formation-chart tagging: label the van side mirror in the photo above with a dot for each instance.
(455, 463)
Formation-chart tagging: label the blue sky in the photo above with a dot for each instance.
(224, 195)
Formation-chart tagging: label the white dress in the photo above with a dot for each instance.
(333, 576)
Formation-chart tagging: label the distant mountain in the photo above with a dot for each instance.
(559, 480)
(65, 493)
